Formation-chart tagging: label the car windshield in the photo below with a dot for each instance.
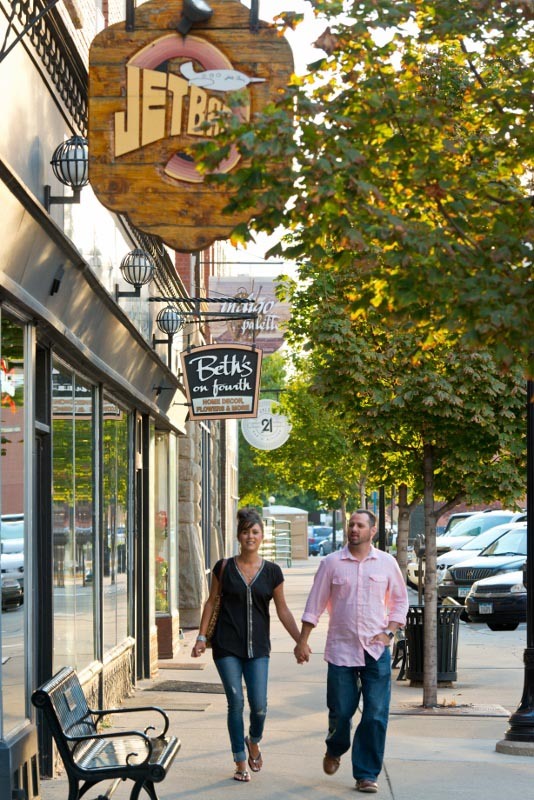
(474, 526)
(486, 538)
(513, 543)
(317, 530)
(454, 521)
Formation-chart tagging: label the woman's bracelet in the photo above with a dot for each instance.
(201, 638)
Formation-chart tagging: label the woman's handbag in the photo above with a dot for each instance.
(216, 608)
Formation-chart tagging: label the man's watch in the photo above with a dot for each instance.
(390, 634)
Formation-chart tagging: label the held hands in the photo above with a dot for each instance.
(302, 652)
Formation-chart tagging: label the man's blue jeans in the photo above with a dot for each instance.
(255, 672)
(345, 686)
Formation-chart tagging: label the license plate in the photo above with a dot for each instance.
(485, 608)
(463, 591)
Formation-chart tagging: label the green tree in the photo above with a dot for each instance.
(401, 167)
(320, 454)
(445, 420)
(406, 155)
(257, 478)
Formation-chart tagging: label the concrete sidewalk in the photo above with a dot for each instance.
(430, 755)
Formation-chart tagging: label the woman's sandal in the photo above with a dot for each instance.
(255, 764)
(241, 775)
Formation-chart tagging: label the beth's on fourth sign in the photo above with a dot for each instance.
(152, 94)
(222, 381)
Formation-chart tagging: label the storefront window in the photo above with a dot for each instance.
(162, 523)
(115, 516)
(73, 521)
(12, 529)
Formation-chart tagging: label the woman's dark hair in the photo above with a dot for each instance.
(246, 518)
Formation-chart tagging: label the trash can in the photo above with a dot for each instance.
(448, 628)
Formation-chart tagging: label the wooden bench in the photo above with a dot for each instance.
(90, 756)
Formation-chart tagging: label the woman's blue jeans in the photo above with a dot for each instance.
(255, 672)
(345, 686)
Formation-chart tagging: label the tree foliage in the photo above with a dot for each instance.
(320, 454)
(406, 155)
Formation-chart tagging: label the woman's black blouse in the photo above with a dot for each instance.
(243, 626)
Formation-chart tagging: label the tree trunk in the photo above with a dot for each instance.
(363, 498)
(343, 512)
(403, 525)
(430, 674)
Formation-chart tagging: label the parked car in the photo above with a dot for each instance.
(507, 554)
(454, 519)
(12, 566)
(500, 601)
(316, 534)
(11, 593)
(466, 531)
(12, 547)
(12, 533)
(472, 547)
(474, 526)
(326, 546)
(412, 572)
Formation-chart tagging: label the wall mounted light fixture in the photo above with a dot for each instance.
(193, 11)
(70, 164)
(137, 269)
(169, 321)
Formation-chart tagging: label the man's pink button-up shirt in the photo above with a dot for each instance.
(361, 598)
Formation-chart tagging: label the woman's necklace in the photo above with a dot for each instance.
(247, 570)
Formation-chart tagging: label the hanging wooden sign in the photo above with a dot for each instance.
(222, 381)
(152, 93)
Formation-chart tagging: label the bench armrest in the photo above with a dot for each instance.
(102, 712)
(95, 737)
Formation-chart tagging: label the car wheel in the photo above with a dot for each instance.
(321, 551)
(502, 626)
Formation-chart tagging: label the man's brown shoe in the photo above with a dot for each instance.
(365, 785)
(331, 764)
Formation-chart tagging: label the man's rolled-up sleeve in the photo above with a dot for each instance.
(318, 596)
(398, 597)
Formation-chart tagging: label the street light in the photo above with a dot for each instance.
(137, 269)
(169, 321)
(519, 738)
(193, 11)
(70, 164)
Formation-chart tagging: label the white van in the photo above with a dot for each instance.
(12, 547)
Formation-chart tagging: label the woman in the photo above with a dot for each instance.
(241, 643)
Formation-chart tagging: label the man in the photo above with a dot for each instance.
(367, 601)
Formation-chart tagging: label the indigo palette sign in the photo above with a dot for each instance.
(222, 381)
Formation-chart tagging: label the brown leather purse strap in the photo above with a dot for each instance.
(224, 563)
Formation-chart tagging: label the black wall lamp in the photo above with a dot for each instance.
(169, 321)
(70, 164)
(193, 11)
(137, 269)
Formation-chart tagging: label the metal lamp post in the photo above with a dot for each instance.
(519, 738)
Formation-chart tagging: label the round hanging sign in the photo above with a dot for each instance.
(268, 430)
